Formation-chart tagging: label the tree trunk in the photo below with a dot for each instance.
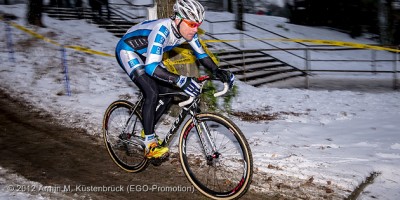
(34, 14)
(165, 8)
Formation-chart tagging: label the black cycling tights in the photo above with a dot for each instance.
(150, 88)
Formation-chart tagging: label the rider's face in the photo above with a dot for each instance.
(188, 28)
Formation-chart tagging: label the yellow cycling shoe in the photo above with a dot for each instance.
(154, 150)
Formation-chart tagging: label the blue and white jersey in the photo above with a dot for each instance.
(143, 45)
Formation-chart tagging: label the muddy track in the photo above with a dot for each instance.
(35, 146)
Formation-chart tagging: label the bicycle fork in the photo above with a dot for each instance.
(206, 140)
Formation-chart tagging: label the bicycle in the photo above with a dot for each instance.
(215, 155)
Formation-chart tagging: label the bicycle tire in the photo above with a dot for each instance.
(229, 175)
(126, 153)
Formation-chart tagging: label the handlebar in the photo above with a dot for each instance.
(202, 79)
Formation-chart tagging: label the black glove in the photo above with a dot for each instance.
(188, 85)
(225, 76)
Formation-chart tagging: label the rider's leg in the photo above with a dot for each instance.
(149, 88)
(132, 64)
(165, 101)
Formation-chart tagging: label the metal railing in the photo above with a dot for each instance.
(310, 66)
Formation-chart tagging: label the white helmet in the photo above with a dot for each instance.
(189, 9)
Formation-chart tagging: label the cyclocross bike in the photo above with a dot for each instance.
(214, 154)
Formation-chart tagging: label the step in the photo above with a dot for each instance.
(263, 73)
(122, 22)
(116, 30)
(67, 17)
(274, 78)
(253, 67)
(114, 26)
(118, 35)
(233, 52)
(239, 56)
(247, 61)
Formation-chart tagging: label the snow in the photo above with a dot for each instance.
(336, 136)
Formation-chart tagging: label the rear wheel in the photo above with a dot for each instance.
(222, 170)
(121, 125)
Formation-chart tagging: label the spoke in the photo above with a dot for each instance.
(215, 176)
(125, 152)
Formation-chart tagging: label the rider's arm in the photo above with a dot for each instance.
(201, 55)
(163, 74)
(224, 75)
(153, 65)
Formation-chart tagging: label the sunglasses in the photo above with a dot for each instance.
(191, 24)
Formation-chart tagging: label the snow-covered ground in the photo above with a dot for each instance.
(334, 137)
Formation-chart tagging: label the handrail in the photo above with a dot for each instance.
(325, 66)
(321, 49)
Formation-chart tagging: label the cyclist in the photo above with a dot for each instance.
(139, 53)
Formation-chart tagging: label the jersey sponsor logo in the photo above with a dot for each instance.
(198, 43)
(181, 81)
(150, 137)
(133, 63)
(164, 30)
(159, 39)
(156, 50)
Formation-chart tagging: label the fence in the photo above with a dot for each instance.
(11, 52)
(311, 58)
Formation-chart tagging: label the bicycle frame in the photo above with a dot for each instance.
(178, 121)
(189, 106)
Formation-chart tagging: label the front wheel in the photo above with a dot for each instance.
(215, 156)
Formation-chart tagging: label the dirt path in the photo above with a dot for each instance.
(36, 147)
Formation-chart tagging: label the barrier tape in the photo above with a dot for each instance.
(327, 42)
(88, 50)
(188, 57)
(346, 44)
(77, 48)
(63, 51)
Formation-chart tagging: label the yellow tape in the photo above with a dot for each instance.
(346, 44)
(184, 60)
(188, 57)
(169, 65)
(327, 42)
(87, 50)
(77, 48)
(34, 34)
(213, 57)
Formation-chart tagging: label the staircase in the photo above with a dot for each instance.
(253, 67)
(257, 68)
(117, 24)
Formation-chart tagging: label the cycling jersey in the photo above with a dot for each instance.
(141, 48)
(139, 53)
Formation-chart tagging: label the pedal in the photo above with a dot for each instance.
(158, 161)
